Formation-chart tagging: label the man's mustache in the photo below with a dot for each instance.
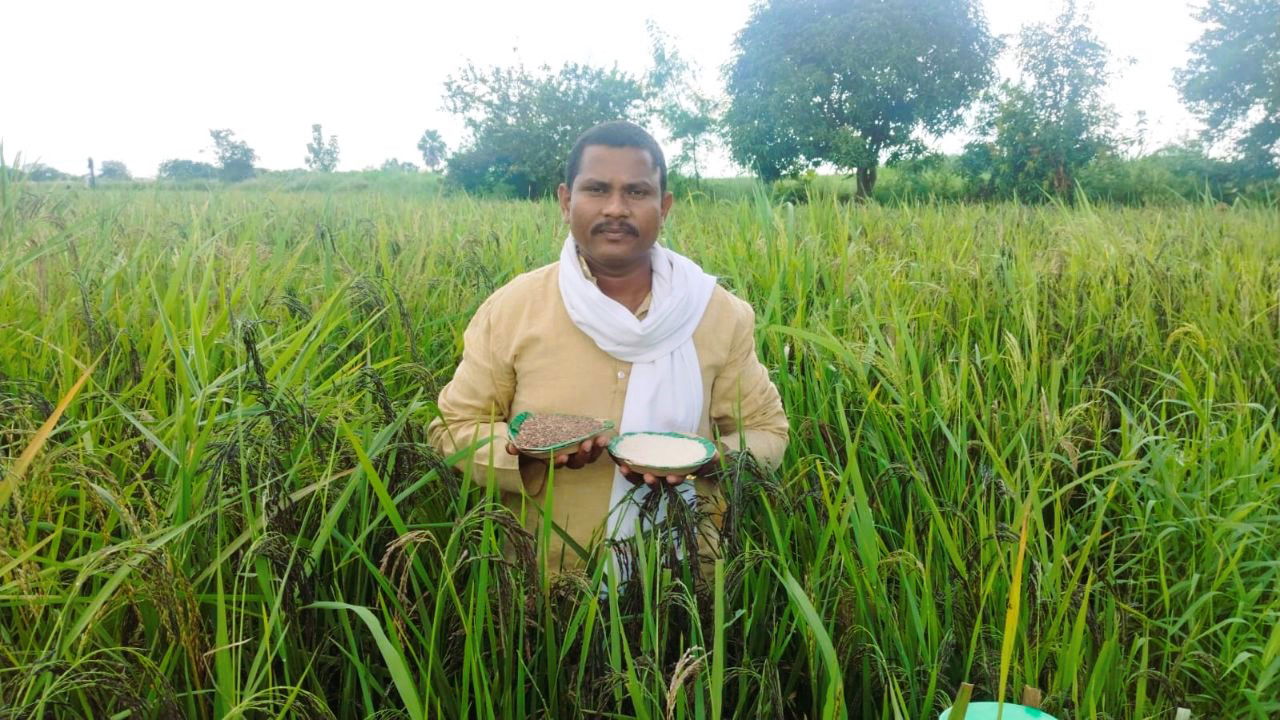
(604, 227)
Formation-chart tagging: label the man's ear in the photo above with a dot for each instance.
(562, 192)
(667, 199)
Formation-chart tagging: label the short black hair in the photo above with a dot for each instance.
(616, 133)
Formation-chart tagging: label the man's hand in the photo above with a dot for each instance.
(651, 480)
(577, 457)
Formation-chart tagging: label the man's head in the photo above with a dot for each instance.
(615, 194)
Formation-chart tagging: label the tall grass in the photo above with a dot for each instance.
(237, 516)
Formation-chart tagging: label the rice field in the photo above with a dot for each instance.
(1030, 446)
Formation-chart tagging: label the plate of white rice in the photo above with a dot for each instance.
(661, 453)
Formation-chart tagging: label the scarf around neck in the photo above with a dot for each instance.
(665, 390)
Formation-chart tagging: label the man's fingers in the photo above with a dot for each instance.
(674, 479)
(649, 479)
(512, 449)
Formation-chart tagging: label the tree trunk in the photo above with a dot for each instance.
(91, 180)
(866, 182)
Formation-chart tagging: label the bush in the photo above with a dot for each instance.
(180, 170)
(43, 173)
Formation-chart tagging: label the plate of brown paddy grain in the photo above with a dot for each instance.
(661, 453)
(542, 435)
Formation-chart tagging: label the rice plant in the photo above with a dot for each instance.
(217, 498)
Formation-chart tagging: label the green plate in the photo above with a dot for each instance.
(513, 429)
(660, 469)
(988, 710)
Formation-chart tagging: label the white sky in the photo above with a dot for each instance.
(143, 81)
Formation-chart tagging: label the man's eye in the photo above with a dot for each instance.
(638, 193)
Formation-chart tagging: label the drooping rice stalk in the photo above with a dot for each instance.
(236, 514)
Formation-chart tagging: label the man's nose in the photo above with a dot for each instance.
(616, 206)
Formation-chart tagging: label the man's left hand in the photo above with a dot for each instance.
(651, 480)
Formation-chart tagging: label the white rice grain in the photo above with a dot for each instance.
(661, 450)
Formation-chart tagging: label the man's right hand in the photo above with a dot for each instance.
(574, 458)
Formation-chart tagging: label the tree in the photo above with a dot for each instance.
(522, 123)
(113, 170)
(186, 170)
(851, 82)
(392, 165)
(43, 173)
(690, 115)
(1233, 79)
(235, 157)
(1038, 133)
(433, 149)
(320, 156)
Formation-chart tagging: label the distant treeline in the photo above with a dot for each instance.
(854, 89)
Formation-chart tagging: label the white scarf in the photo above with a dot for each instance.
(665, 390)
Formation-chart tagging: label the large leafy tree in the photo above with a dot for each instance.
(1038, 133)
(178, 169)
(1233, 79)
(851, 83)
(322, 156)
(522, 123)
(235, 157)
(114, 170)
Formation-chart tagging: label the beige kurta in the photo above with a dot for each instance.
(522, 352)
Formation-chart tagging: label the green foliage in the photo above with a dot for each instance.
(1233, 79)
(395, 183)
(433, 149)
(235, 157)
(185, 170)
(394, 165)
(1037, 134)
(851, 83)
(113, 170)
(322, 156)
(1173, 174)
(40, 172)
(522, 123)
(689, 115)
(237, 515)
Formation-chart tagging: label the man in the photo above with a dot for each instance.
(620, 329)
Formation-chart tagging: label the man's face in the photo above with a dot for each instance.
(616, 206)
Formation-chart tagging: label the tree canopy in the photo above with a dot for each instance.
(433, 149)
(235, 157)
(1038, 133)
(522, 123)
(322, 156)
(1233, 79)
(851, 82)
(186, 170)
(44, 173)
(113, 170)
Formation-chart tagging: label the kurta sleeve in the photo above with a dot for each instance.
(474, 406)
(745, 406)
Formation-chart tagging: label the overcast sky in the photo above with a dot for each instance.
(143, 81)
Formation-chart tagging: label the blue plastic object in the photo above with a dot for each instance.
(987, 711)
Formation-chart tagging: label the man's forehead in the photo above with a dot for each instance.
(604, 162)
